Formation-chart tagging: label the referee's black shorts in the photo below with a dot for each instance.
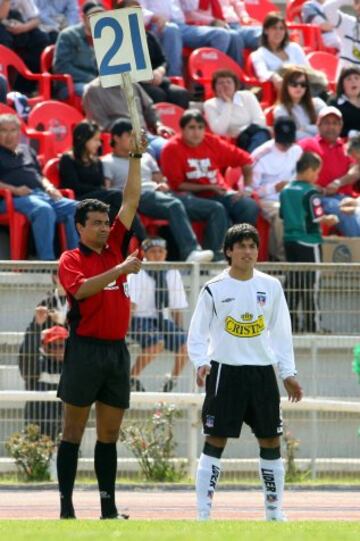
(95, 370)
(238, 394)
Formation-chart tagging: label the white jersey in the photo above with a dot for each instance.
(242, 323)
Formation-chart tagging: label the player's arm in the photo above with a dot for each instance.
(132, 188)
(199, 334)
(282, 344)
(81, 287)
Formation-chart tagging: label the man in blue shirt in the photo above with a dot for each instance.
(33, 194)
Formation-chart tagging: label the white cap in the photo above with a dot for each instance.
(329, 110)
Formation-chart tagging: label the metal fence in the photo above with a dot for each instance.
(325, 310)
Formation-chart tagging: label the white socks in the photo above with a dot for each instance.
(272, 475)
(207, 476)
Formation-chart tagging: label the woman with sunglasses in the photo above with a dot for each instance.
(276, 51)
(295, 101)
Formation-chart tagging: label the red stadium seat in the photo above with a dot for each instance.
(11, 64)
(258, 9)
(18, 226)
(326, 62)
(169, 114)
(46, 67)
(57, 118)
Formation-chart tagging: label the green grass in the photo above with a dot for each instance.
(90, 530)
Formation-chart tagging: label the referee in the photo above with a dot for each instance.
(239, 330)
(96, 364)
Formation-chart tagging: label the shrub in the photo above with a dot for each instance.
(32, 452)
(292, 473)
(152, 443)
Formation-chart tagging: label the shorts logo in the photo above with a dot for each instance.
(243, 329)
(261, 298)
(126, 289)
(210, 421)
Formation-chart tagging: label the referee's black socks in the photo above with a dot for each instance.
(67, 459)
(105, 469)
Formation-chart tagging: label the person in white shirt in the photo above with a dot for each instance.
(240, 329)
(157, 299)
(235, 113)
(274, 167)
(295, 101)
(276, 51)
(347, 28)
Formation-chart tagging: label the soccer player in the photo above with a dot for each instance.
(97, 365)
(240, 329)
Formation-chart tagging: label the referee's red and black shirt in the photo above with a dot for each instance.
(104, 315)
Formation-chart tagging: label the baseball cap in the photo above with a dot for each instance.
(54, 333)
(284, 130)
(329, 110)
(120, 126)
(152, 243)
(91, 6)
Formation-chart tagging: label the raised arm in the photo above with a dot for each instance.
(132, 188)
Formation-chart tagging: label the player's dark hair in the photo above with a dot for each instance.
(89, 205)
(237, 233)
(189, 115)
(308, 160)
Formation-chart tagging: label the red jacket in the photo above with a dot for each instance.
(202, 164)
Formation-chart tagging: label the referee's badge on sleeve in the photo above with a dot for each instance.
(126, 289)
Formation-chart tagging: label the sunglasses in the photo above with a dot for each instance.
(302, 84)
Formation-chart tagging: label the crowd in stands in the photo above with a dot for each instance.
(188, 171)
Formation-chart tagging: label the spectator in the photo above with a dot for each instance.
(50, 358)
(167, 20)
(33, 194)
(235, 112)
(274, 167)
(347, 100)
(302, 213)
(74, 52)
(57, 15)
(232, 14)
(49, 312)
(276, 50)
(337, 174)
(156, 199)
(105, 105)
(160, 88)
(157, 298)
(347, 29)
(20, 31)
(295, 102)
(192, 162)
(82, 171)
(312, 12)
